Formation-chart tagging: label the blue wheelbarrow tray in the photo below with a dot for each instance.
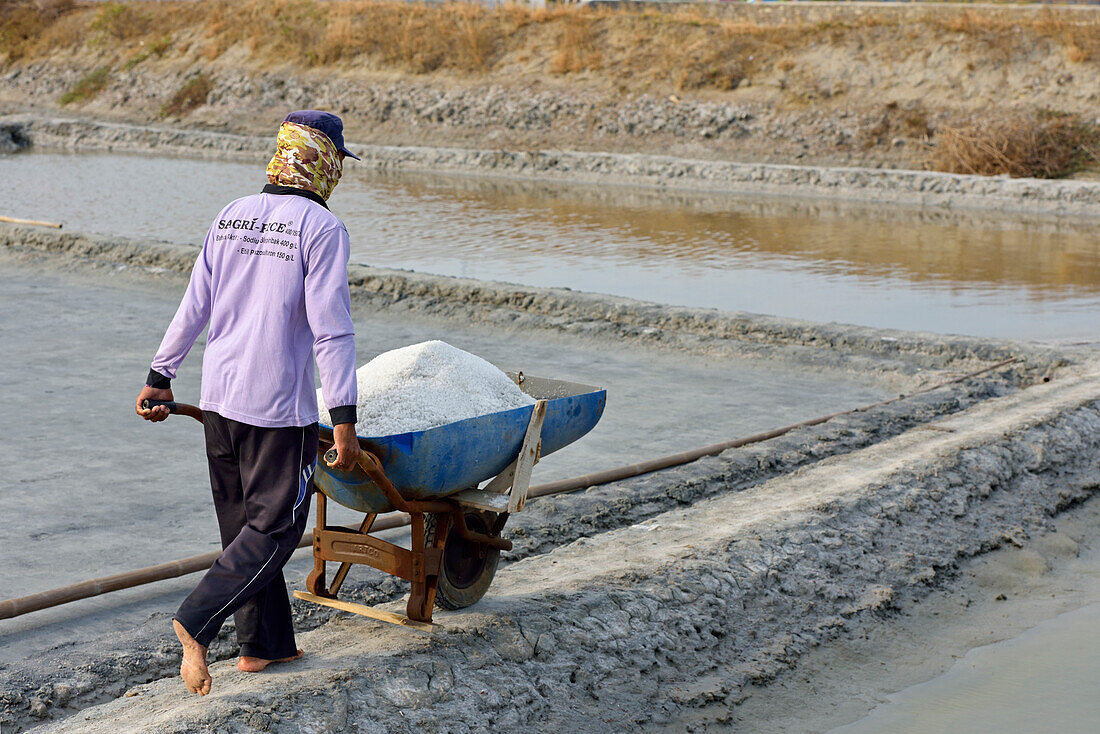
(437, 462)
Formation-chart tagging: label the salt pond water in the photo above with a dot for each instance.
(986, 275)
(1045, 680)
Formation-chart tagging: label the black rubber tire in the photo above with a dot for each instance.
(466, 574)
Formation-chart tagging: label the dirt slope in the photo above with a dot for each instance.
(816, 83)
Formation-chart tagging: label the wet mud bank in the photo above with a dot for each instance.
(905, 359)
(641, 625)
(869, 185)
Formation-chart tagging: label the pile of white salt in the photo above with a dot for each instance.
(427, 385)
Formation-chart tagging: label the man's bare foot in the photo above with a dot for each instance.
(255, 665)
(193, 670)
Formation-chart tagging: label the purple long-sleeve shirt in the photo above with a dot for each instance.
(271, 280)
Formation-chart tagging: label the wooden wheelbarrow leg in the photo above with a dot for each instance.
(315, 582)
(420, 566)
(422, 594)
(364, 611)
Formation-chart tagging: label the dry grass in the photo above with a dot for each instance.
(783, 52)
(120, 22)
(577, 48)
(1077, 34)
(686, 48)
(88, 87)
(23, 21)
(192, 94)
(1034, 146)
(157, 48)
(906, 121)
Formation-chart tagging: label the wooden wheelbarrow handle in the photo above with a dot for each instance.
(174, 407)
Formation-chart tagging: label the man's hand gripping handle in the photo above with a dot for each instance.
(344, 456)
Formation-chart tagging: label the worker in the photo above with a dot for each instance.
(271, 282)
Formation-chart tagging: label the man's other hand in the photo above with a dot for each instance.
(347, 447)
(158, 413)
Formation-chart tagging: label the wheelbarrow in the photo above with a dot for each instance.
(458, 482)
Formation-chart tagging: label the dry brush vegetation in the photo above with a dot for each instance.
(701, 50)
(684, 49)
(1038, 146)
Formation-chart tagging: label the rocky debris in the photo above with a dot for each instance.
(372, 104)
(12, 138)
(629, 629)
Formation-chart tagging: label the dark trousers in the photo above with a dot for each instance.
(262, 479)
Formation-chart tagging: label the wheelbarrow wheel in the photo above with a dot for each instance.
(468, 568)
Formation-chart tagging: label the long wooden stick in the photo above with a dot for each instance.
(665, 462)
(33, 222)
(117, 582)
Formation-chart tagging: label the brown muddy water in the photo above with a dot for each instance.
(978, 274)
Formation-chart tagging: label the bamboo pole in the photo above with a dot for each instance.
(685, 457)
(117, 582)
(33, 222)
(56, 597)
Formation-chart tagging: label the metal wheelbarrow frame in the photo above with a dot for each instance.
(433, 476)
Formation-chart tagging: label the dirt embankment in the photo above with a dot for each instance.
(889, 532)
(804, 83)
(735, 566)
(74, 677)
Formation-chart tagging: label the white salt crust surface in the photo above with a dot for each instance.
(425, 385)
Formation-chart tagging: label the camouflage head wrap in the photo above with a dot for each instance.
(305, 159)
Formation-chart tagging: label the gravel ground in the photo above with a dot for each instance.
(638, 626)
(885, 186)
